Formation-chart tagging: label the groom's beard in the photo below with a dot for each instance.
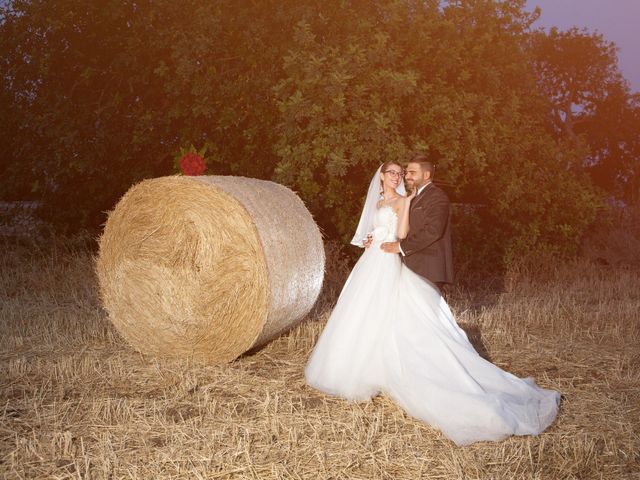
(414, 185)
(410, 187)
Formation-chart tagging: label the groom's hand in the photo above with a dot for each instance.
(391, 247)
(368, 241)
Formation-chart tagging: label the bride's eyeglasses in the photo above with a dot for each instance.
(394, 173)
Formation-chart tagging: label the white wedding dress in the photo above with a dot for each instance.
(392, 332)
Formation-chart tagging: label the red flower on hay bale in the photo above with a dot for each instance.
(192, 164)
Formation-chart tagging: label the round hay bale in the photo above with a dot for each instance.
(208, 267)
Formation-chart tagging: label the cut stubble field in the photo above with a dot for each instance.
(77, 402)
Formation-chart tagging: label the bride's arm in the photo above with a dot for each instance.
(403, 217)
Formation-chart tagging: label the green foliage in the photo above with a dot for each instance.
(591, 107)
(362, 95)
(315, 95)
(340, 103)
(103, 95)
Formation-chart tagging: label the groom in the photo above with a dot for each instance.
(427, 248)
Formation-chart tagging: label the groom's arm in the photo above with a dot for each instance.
(430, 228)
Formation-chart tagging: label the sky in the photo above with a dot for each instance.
(617, 20)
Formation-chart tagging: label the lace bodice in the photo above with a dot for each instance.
(385, 225)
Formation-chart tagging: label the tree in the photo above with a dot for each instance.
(105, 95)
(591, 106)
(313, 94)
(576, 69)
(613, 135)
(353, 98)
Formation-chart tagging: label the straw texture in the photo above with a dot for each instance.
(208, 267)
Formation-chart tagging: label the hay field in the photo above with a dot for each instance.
(77, 402)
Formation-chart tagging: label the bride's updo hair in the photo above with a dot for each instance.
(386, 165)
(383, 169)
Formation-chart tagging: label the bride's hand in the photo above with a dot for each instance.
(412, 195)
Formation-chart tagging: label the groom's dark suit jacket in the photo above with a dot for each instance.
(427, 247)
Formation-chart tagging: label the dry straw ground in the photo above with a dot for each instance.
(77, 402)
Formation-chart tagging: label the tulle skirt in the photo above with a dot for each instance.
(392, 332)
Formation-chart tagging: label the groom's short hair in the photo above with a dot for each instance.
(425, 164)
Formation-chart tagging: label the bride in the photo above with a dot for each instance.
(391, 332)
